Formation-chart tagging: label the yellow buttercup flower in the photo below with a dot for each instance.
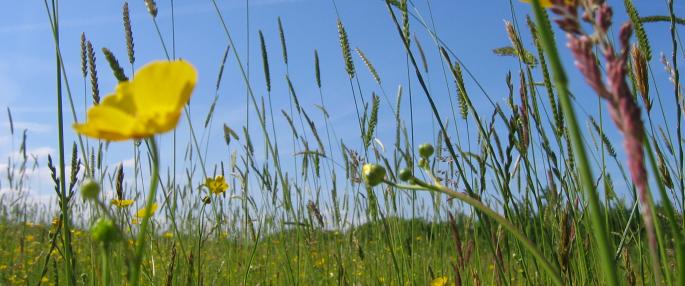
(149, 104)
(216, 185)
(122, 203)
(143, 214)
(543, 3)
(548, 3)
(440, 281)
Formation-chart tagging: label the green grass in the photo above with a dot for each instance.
(524, 195)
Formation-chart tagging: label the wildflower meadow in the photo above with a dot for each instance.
(342, 142)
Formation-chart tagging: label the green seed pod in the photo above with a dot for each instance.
(426, 150)
(90, 189)
(373, 174)
(104, 230)
(405, 174)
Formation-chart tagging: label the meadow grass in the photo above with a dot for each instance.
(523, 195)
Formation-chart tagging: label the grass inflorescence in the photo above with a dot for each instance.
(532, 189)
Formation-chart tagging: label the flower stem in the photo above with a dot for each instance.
(105, 265)
(140, 242)
(546, 265)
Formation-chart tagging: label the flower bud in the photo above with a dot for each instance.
(90, 189)
(405, 174)
(426, 150)
(104, 230)
(423, 163)
(373, 174)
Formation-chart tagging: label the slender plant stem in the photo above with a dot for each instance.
(105, 265)
(546, 265)
(64, 197)
(670, 215)
(140, 242)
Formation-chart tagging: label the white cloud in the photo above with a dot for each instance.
(9, 88)
(128, 163)
(40, 153)
(32, 127)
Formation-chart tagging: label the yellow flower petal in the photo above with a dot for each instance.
(122, 203)
(164, 85)
(143, 214)
(149, 104)
(543, 3)
(440, 281)
(216, 185)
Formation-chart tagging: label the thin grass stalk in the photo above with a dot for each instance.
(448, 142)
(134, 278)
(671, 217)
(607, 262)
(284, 184)
(54, 28)
(433, 106)
(679, 112)
(529, 245)
(53, 13)
(252, 253)
(105, 264)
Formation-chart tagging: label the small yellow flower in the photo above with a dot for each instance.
(30, 238)
(216, 185)
(149, 104)
(440, 281)
(168, 234)
(548, 3)
(319, 263)
(143, 214)
(122, 203)
(543, 3)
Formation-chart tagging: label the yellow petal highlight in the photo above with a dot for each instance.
(543, 3)
(149, 104)
(122, 203)
(216, 185)
(440, 281)
(143, 214)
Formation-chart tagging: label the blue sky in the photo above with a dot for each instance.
(471, 28)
